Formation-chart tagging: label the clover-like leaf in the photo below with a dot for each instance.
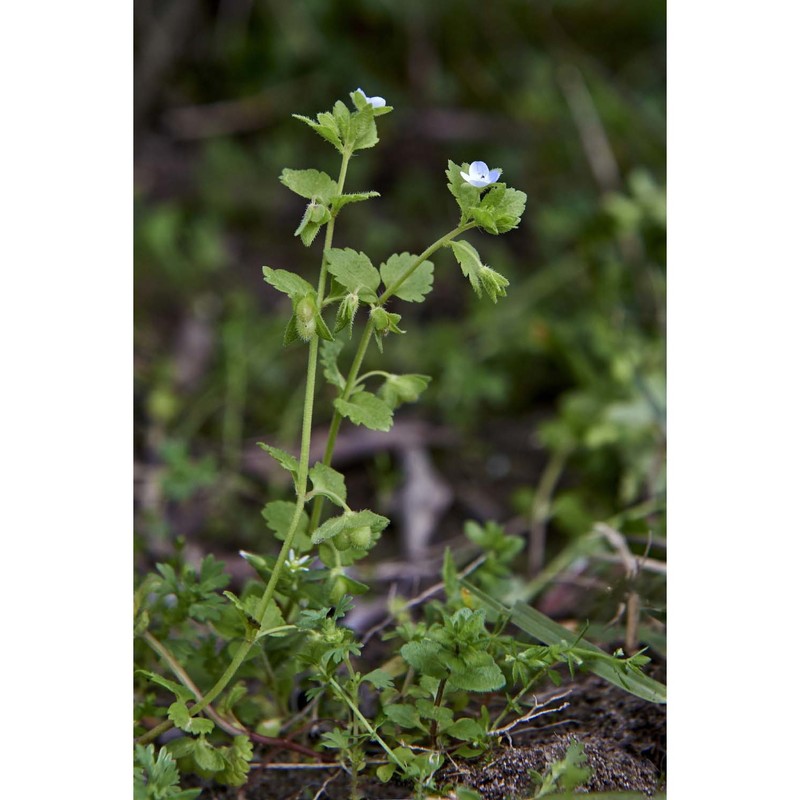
(365, 408)
(354, 271)
(416, 286)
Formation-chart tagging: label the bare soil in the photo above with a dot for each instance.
(624, 739)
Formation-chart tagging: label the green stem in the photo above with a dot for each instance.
(367, 726)
(437, 702)
(358, 359)
(302, 486)
(429, 252)
(519, 695)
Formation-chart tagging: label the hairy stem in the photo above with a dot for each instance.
(358, 359)
(301, 486)
(437, 702)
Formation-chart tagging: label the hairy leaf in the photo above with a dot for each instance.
(329, 353)
(310, 183)
(365, 408)
(416, 286)
(354, 271)
(403, 389)
(329, 482)
(287, 282)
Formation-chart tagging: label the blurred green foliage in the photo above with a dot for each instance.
(567, 97)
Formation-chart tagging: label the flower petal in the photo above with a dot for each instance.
(478, 169)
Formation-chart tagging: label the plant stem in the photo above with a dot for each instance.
(367, 726)
(302, 486)
(358, 359)
(437, 702)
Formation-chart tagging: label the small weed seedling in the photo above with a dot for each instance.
(274, 664)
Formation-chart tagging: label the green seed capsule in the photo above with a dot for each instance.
(305, 311)
(342, 540)
(380, 318)
(361, 538)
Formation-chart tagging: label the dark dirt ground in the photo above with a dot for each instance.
(624, 739)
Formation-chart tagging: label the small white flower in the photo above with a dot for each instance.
(480, 175)
(375, 102)
(295, 564)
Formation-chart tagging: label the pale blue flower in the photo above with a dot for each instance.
(375, 102)
(480, 175)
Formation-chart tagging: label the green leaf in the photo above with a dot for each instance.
(326, 127)
(404, 716)
(385, 772)
(314, 217)
(424, 656)
(207, 757)
(330, 528)
(375, 522)
(342, 118)
(287, 282)
(363, 131)
(365, 408)
(467, 196)
(237, 762)
(403, 389)
(470, 262)
(179, 714)
(310, 183)
(156, 778)
(501, 209)
(354, 271)
(286, 460)
(480, 675)
(349, 521)
(180, 691)
(545, 630)
(466, 729)
(329, 353)
(278, 515)
(327, 481)
(351, 197)
(380, 679)
(418, 284)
